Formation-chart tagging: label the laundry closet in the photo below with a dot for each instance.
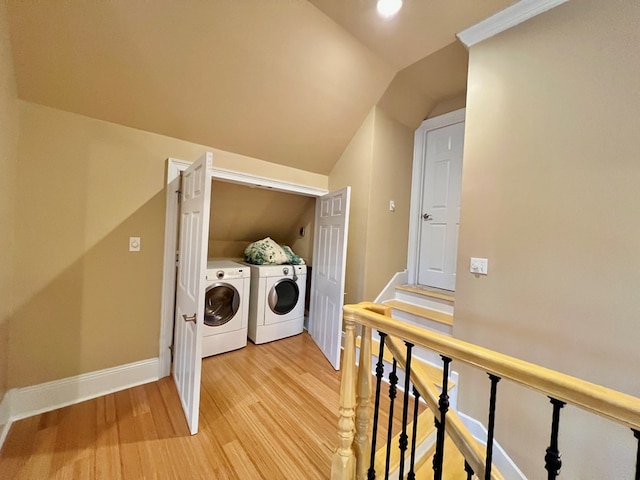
(242, 214)
(221, 212)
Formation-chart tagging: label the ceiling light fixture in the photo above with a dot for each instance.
(388, 8)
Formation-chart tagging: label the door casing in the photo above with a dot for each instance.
(174, 167)
(417, 186)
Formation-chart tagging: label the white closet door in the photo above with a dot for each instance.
(328, 274)
(189, 321)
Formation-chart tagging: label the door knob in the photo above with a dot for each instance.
(427, 217)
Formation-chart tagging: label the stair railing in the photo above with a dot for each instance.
(354, 454)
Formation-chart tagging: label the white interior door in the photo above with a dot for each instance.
(189, 319)
(328, 274)
(441, 207)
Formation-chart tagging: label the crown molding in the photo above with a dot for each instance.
(506, 19)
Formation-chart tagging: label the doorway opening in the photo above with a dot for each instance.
(174, 168)
(193, 214)
(435, 201)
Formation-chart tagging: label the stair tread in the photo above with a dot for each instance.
(425, 428)
(429, 292)
(428, 313)
(452, 469)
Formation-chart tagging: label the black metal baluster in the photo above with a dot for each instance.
(469, 470)
(416, 403)
(403, 442)
(492, 418)
(443, 404)
(393, 381)
(636, 434)
(371, 473)
(552, 458)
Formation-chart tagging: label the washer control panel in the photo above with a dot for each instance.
(227, 273)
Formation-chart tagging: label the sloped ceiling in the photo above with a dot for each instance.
(265, 213)
(420, 28)
(277, 80)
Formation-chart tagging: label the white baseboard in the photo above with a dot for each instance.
(28, 401)
(5, 421)
(501, 460)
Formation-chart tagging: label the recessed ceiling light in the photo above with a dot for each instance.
(388, 8)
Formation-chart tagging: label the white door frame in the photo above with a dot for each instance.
(417, 185)
(174, 167)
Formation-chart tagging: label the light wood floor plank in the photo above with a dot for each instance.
(267, 411)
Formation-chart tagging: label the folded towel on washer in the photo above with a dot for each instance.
(268, 252)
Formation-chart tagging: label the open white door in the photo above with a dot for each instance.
(189, 320)
(328, 274)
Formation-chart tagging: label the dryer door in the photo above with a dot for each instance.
(221, 303)
(283, 296)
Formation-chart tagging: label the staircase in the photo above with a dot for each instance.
(425, 307)
(358, 422)
(432, 309)
(425, 439)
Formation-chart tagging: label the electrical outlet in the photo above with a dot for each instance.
(479, 266)
(134, 244)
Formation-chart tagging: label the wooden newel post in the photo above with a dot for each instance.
(362, 443)
(343, 464)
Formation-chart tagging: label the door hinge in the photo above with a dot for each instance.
(177, 258)
(179, 192)
(171, 351)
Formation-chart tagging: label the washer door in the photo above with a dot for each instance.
(283, 296)
(221, 302)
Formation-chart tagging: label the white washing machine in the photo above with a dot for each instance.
(226, 307)
(276, 305)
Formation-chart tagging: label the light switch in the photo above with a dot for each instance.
(479, 266)
(134, 244)
(392, 205)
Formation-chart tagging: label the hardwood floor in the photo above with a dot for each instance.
(267, 411)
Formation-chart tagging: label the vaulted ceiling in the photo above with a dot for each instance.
(287, 81)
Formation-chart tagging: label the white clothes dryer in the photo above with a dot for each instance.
(276, 305)
(226, 302)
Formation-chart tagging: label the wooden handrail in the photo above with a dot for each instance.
(602, 401)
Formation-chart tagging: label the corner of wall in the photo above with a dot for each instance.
(390, 179)
(449, 105)
(8, 162)
(353, 169)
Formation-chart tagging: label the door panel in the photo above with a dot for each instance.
(328, 279)
(189, 320)
(441, 204)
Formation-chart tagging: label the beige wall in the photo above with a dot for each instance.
(241, 215)
(354, 169)
(421, 87)
(550, 197)
(387, 231)
(82, 301)
(8, 161)
(274, 80)
(377, 166)
(447, 106)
